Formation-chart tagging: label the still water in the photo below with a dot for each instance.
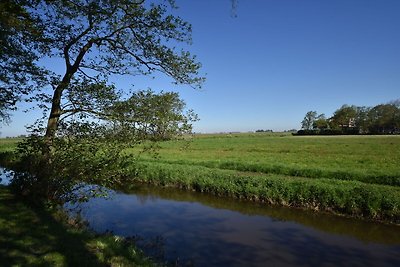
(5, 176)
(194, 229)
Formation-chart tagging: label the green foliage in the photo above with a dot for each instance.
(321, 123)
(93, 157)
(91, 152)
(384, 119)
(154, 116)
(90, 122)
(96, 41)
(20, 35)
(344, 118)
(381, 119)
(309, 120)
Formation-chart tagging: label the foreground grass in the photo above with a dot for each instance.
(34, 237)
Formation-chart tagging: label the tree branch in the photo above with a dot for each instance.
(86, 75)
(74, 111)
(75, 40)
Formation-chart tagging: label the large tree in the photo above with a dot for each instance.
(98, 39)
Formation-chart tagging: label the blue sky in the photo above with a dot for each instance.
(278, 59)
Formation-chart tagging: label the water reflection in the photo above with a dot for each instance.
(5, 176)
(202, 230)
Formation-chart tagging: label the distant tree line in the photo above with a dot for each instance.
(380, 119)
(264, 131)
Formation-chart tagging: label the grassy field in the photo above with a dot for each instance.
(371, 159)
(349, 175)
(9, 144)
(34, 237)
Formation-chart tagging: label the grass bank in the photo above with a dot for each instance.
(354, 198)
(35, 237)
(350, 175)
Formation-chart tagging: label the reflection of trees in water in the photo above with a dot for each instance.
(143, 199)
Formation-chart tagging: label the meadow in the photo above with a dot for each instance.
(9, 144)
(370, 159)
(355, 176)
(349, 175)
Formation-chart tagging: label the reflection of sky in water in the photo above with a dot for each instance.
(207, 236)
(4, 176)
(219, 237)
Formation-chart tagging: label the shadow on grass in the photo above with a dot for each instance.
(32, 237)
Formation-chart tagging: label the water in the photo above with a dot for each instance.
(5, 176)
(194, 229)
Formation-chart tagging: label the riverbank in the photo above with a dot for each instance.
(355, 176)
(349, 198)
(33, 236)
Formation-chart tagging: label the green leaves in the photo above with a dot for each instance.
(308, 120)
(380, 119)
(20, 45)
(154, 116)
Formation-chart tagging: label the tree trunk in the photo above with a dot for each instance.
(55, 113)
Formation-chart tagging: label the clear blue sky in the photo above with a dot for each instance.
(278, 59)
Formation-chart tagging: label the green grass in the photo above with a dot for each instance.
(9, 144)
(34, 237)
(377, 202)
(350, 175)
(370, 159)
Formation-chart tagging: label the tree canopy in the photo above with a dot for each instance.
(87, 120)
(309, 120)
(344, 117)
(21, 44)
(380, 119)
(95, 39)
